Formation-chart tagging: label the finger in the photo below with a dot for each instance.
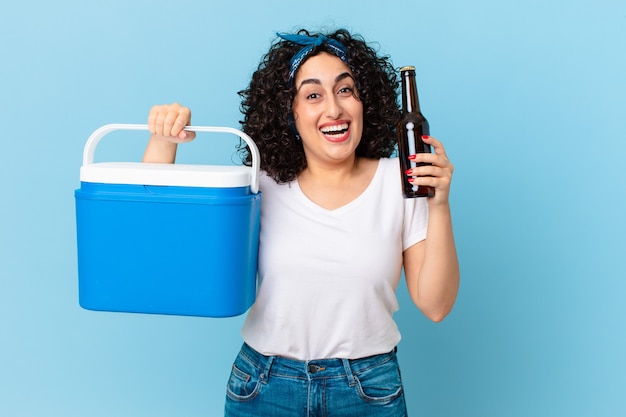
(443, 174)
(169, 121)
(436, 145)
(152, 119)
(160, 115)
(187, 135)
(435, 178)
(158, 124)
(183, 118)
(425, 171)
(430, 158)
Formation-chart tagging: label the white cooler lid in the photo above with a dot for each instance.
(209, 176)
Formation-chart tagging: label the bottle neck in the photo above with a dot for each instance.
(410, 101)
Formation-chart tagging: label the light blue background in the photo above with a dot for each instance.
(529, 98)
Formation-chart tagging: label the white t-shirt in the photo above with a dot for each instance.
(327, 278)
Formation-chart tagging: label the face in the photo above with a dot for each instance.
(327, 112)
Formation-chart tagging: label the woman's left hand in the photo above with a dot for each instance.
(437, 175)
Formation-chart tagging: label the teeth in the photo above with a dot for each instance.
(336, 128)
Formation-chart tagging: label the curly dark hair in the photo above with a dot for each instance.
(266, 104)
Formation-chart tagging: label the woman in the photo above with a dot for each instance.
(335, 231)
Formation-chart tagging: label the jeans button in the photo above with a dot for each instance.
(315, 368)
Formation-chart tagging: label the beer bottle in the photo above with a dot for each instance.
(410, 128)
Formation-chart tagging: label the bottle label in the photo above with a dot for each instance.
(412, 150)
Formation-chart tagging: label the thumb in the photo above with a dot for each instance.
(187, 135)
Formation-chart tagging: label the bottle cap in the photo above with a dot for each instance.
(408, 68)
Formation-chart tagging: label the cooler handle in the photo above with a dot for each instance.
(92, 142)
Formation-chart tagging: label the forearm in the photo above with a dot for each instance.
(160, 150)
(438, 278)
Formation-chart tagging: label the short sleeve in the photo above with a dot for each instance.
(415, 221)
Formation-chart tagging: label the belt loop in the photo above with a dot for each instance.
(265, 376)
(349, 374)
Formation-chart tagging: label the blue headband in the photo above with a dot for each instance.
(310, 42)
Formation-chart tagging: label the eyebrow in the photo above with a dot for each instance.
(317, 81)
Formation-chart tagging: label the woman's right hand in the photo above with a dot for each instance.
(166, 123)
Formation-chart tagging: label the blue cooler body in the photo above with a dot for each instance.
(167, 238)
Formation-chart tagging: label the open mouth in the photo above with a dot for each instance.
(335, 132)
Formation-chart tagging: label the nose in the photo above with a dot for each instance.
(333, 108)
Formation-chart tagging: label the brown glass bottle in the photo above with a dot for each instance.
(410, 128)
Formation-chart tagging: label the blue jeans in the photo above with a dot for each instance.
(273, 386)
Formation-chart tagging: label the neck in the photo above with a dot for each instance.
(331, 173)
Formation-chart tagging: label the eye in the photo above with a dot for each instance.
(346, 91)
(312, 96)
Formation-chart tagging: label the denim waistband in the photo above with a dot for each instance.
(316, 368)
